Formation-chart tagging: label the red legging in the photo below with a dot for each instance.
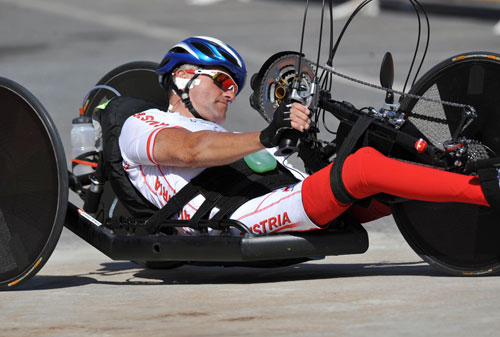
(368, 172)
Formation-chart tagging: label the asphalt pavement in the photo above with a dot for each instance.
(59, 49)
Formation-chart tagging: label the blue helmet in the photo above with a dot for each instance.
(203, 51)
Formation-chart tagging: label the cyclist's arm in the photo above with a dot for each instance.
(181, 147)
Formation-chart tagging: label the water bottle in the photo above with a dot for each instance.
(261, 161)
(82, 141)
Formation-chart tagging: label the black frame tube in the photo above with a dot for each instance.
(353, 239)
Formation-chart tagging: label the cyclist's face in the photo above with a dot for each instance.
(209, 99)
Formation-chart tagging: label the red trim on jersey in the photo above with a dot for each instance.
(185, 231)
(269, 195)
(270, 205)
(292, 225)
(194, 208)
(173, 189)
(146, 181)
(150, 147)
(165, 178)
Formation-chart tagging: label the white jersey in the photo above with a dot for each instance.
(158, 183)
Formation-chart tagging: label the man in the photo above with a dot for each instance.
(164, 152)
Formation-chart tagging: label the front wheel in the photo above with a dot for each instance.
(459, 239)
(33, 185)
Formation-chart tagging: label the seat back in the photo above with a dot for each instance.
(112, 119)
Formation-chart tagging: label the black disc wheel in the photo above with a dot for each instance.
(459, 239)
(33, 185)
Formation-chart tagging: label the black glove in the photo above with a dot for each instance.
(270, 136)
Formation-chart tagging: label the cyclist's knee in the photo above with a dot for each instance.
(367, 151)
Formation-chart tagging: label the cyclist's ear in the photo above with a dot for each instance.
(181, 73)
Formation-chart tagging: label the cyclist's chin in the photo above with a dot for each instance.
(220, 114)
(220, 119)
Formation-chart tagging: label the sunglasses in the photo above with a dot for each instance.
(221, 79)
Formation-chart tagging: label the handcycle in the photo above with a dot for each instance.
(446, 120)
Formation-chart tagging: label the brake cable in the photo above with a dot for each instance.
(326, 82)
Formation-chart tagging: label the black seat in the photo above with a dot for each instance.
(112, 119)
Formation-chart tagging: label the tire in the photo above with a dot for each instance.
(459, 239)
(33, 185)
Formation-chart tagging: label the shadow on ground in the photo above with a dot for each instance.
(198, 275)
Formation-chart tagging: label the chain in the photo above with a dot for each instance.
(427, 118)
(371, 85)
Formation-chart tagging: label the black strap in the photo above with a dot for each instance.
(173, 206)
(336, 182)
(185, 95)
(203, 212)
(225, 187)
(489, 184)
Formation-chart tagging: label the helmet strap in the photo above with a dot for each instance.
(184, 95)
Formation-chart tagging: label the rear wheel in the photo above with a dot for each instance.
(457, 238)
(33, 185)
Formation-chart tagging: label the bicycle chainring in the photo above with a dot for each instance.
(272, 84)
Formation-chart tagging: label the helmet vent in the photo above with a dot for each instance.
(164, 62)
(204, 49)
(230, 58)
(178, 50)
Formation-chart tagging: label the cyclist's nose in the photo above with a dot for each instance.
(230, 95)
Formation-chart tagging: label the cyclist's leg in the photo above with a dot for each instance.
(367, 172)
(374, 211)
(277, 211)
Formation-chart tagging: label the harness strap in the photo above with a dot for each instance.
(203, 212)
(230, 203)
(336, 183)
(185, 95)
(225, 187)
(490, 186)
(173, 206)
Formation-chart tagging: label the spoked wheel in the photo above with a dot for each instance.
(33, 185)
(457, 238)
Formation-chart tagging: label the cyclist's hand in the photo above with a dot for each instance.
(299, 114)
(286, 117)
